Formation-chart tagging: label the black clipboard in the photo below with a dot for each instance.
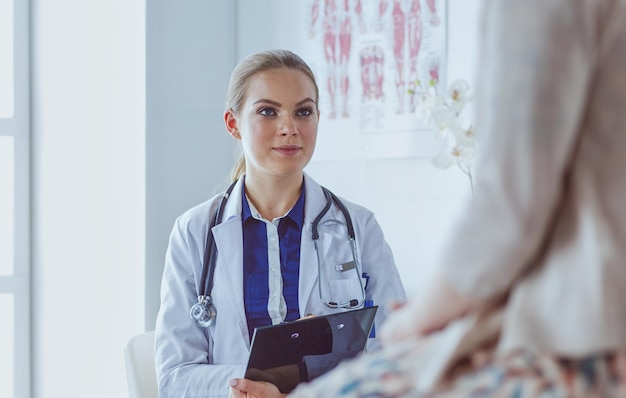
(289, 353)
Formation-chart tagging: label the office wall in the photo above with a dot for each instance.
(127, 134)
(88, 187)
(190, 52)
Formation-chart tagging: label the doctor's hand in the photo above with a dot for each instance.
(244, 388)
(426, 313)
(285, 377)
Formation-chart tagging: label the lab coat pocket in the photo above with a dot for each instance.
(344, 290)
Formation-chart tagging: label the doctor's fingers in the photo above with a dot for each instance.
(232, 393)
(244, 388)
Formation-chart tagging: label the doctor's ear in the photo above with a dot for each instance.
(230, 120)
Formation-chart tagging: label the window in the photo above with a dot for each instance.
(14, 200)
(7, 173)
(6, 55)
(7, 337)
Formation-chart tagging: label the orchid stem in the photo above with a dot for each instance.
(468, 173)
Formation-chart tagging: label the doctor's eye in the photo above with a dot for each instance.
(304, 112)
(267, 112)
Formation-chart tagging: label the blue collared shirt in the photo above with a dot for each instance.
(271, 264)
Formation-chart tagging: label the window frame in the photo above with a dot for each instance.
(19, 283)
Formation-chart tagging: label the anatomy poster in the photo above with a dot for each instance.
(367, 56)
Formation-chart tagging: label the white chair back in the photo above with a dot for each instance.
(140, 371)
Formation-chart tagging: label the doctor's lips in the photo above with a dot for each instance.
(288, 150)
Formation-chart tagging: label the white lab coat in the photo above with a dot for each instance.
(197, 362)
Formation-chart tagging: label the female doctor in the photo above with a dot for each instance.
(268, 269)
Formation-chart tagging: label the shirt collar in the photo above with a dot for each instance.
(246, 213)
(296, 214)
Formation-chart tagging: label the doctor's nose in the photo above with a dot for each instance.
(288, 127)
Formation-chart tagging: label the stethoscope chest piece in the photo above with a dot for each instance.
(203, 312)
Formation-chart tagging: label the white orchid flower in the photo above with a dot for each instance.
(465, 136)
(428, 100)
(445, 121)
(466, 155)
(442, 160)
(455, 155)
(425, 105)
(458, 93)
(443, 114)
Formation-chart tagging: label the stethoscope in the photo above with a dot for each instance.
(204, 312)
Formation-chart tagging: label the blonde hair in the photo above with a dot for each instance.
(249, 67)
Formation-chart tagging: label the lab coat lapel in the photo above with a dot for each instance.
(229, 268)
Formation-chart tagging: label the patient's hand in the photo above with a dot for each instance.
(431, 311)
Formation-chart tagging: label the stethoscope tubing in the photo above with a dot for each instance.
(210, 248)
(330, 198)
(357, 266)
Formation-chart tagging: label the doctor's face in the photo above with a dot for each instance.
(277, 122)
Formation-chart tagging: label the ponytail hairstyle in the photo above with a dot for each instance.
(248, 68)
